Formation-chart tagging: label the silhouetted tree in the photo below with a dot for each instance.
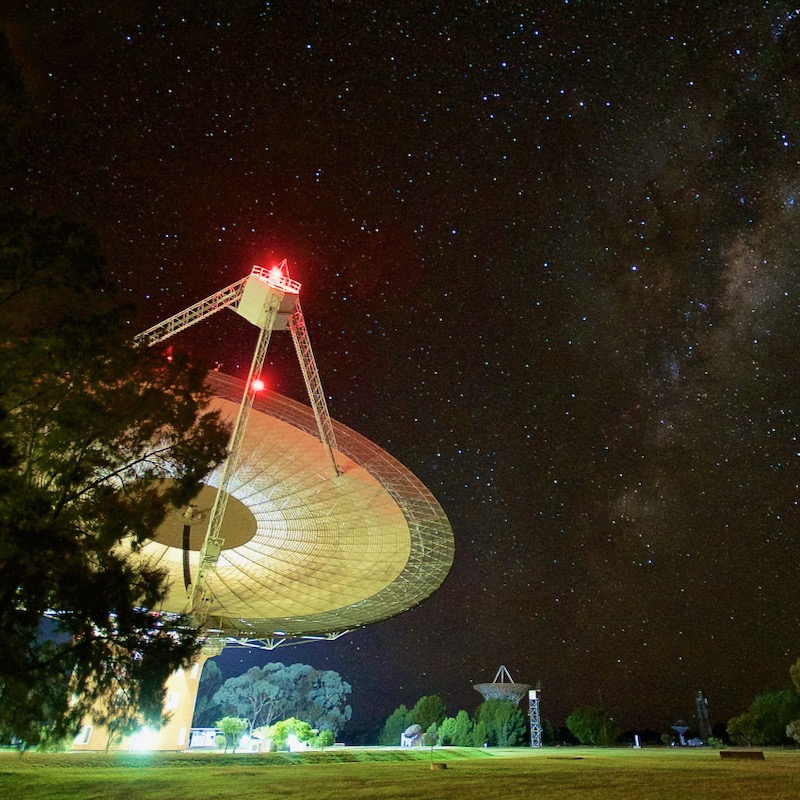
(99, 439)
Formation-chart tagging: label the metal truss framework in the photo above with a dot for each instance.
(308, 365)
(535, 717)
(346, 553)
(271, 287)
(225, 298)
(200, 593)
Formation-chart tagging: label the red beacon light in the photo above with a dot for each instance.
(258, 385)
(277, 277)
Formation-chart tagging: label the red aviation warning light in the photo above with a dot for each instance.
(263, 288)
(258, 385)
(277, 277)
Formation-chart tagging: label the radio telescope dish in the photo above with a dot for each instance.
(305, 552)
(502, 687)
(307, 528)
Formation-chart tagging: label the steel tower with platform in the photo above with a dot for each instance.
(535, 716)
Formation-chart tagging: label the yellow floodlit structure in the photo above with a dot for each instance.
(306, 531)
(306, 552)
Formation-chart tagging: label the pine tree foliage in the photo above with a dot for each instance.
(99, 439)
(505, 724)
(396, 723)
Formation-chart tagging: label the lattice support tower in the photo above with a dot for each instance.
(316, 395)
(269, 300)
(535, 715)
(200, 593)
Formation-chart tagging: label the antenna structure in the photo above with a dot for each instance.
(502, 687)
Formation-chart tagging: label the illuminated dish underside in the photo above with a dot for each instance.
(307, 552)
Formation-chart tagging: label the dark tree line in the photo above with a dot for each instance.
(773, 718)
(496, 723)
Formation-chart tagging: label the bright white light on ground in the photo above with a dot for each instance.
(145, 739)
(295, 745)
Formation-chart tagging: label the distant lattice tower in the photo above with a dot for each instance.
(535, 715)
(502, 687)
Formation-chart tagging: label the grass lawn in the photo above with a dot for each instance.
(545, 774)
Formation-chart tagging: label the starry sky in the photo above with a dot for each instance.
(549, 262)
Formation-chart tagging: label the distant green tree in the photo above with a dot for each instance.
(764, 723)
(232, 729)
(592, 725)
(447, 731)
(431, 736)
(99, 440)
(793, 728)
(463, 732)
(743, 729)
(324, 739)
(774, 711)
(395, 724)
(505, 723)
(428, 709)
(205, 711)
(794, 672)
(252, 696)
(324, 697)
(480, 735)
(49, 745)
(265, 694)
(280, 732)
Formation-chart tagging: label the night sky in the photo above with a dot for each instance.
(549, 262)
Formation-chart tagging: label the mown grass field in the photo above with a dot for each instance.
(546, 774)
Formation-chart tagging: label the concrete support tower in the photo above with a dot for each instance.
(535, 717)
